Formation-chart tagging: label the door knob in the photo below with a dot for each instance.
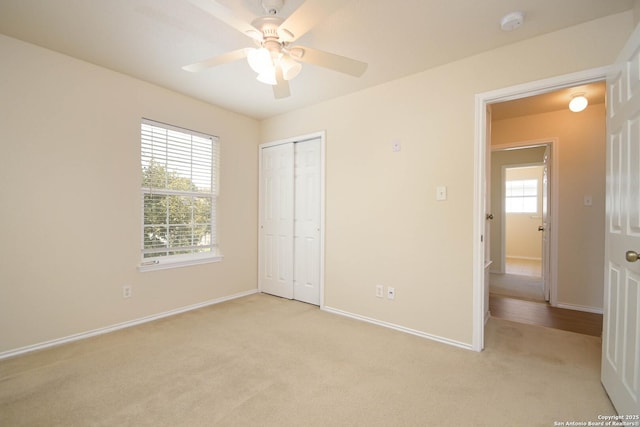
(489, 216)
(632, 256)
(541, 228)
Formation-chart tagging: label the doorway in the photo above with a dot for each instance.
(582, 174)
(518, 230)
(482, 206)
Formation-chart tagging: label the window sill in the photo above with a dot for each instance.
(163, 264)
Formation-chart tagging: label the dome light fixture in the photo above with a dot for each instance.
(578, 102)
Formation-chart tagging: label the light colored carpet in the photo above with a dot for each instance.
(517, 286)
(265, 361)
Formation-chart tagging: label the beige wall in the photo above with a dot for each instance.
(500, 159)
(383, 224)
(69, 184)
(69, 177)
(581, 164)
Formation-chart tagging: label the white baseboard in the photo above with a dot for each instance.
(580, 308)
(525, 258)
(398, 328)
(127, 324)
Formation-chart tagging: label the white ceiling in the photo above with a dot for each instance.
(152, 39)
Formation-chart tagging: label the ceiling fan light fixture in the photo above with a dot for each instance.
(578, 103)
(260, 60)
(290, 68)
(273, 57)
(268, 77)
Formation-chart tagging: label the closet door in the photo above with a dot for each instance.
(275, 265)
(306, 239)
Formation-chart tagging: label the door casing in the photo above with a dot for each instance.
(552, 205)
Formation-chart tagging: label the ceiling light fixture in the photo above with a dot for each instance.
(263, 62)
(260, 60)
(290, 68)
(578, 102)
(268, 77)
(275, 58)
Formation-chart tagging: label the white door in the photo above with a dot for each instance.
(621, 329)
(275, 264)
(306, 238)
(290, 220)
(545, 227)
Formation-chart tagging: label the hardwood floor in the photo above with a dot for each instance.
(537, 313)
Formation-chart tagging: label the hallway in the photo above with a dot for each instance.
(522, 280)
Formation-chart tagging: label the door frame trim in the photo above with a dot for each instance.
(553, 206)
(482, 100)
(301, 138)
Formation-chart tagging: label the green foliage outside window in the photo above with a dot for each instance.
(175, 216)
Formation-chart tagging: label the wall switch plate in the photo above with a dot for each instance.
(391, 293)
(379, 291)
(588, 201)
(441, 193)
(126, 291)
(395, 146)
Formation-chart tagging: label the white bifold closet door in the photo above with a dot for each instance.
(289, 258)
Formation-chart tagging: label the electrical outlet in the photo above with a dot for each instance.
(126, 291)
(379, 291)
(391, 293)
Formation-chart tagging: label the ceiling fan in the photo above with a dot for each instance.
(274, 58)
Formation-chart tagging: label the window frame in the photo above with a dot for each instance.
(522, 196)
(194, 258)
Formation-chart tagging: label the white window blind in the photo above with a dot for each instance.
(521, 196)
(179, 193)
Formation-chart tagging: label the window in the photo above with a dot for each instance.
(521, 196)
(179, 191)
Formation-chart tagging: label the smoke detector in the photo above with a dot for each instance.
(512, 21)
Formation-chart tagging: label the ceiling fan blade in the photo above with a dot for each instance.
(240, 23)
(335, 62)
(281, 88)
(216, 60)
(307, 16)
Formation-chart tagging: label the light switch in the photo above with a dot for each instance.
(441, 192)
(395, 146)
(588, 201)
